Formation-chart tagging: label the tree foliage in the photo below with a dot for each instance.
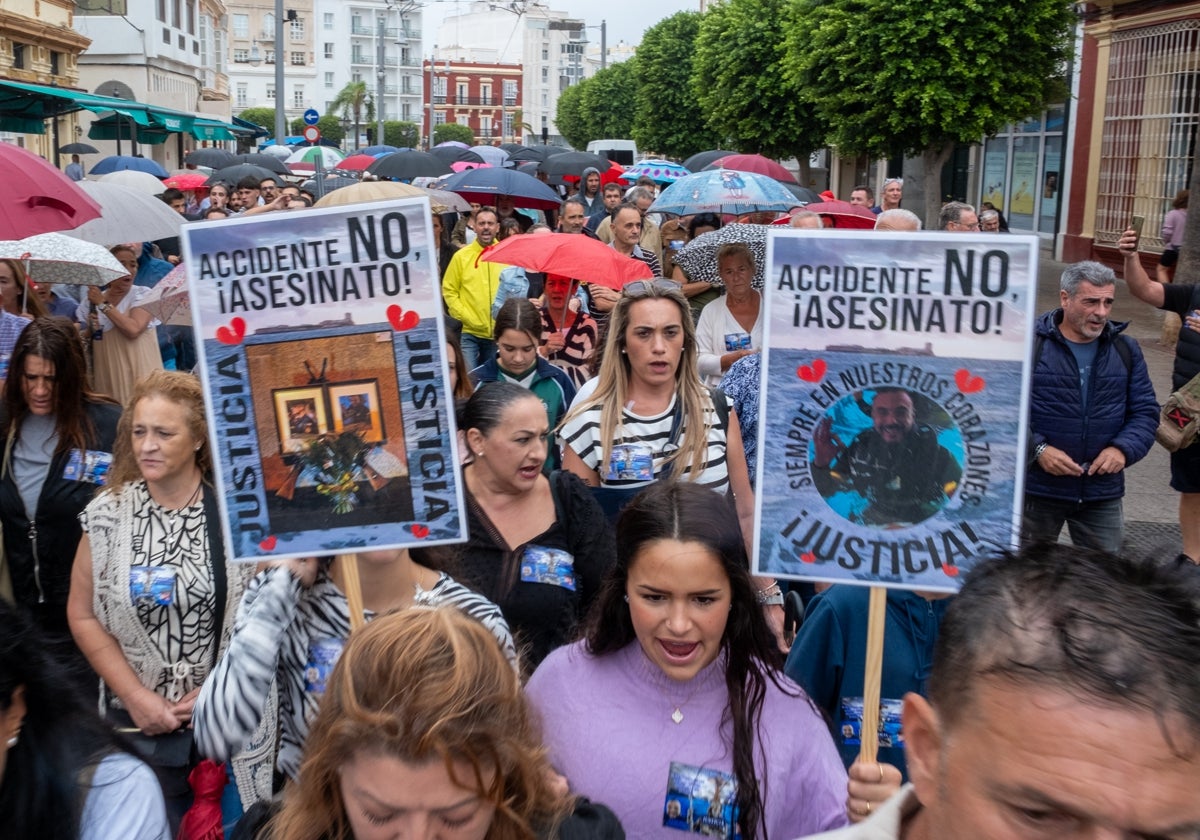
(738, 80)
(569, 116)
(918, 76)
(401, 133)
(260, 116)
(453, 131)
(668, 118)
(607, 101)
(354, 102)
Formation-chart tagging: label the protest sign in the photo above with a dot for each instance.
(893, 407)
(323, 359)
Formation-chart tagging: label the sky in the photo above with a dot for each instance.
(626, 19)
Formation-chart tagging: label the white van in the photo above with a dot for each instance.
(623, 152)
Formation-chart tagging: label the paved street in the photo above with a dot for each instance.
(1151, 506)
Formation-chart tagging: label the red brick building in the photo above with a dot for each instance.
(486, 97)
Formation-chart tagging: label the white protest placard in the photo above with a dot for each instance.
(323, 358)
(892, 416)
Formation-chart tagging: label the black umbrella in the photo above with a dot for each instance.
(404, 166)
(702, 159)
(212, 158)
(802, 193)
(573, 163)
(456, 154)
(535, 153)
(270, 162)
(484, 186)
(335, 182)
(235, 173)
(529, 167)
(79, 149)
(513, 148)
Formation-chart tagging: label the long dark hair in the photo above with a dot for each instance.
(56, 341)
(684, 511)
(41, 793)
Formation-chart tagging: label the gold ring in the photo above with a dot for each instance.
(880, 766)
(868, 809)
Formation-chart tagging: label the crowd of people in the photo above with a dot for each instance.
(595, 660)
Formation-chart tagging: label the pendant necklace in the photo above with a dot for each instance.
(677, 714)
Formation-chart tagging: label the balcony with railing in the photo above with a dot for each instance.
(392, 32)
(480, 101)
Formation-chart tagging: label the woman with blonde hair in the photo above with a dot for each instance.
(16, 297)
(424, 732)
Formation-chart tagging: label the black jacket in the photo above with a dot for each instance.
(43, 576)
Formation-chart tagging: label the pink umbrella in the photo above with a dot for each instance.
(843, 214)
(463, 165)
(37, 198)
(190, 181)
(356, 163)
(757, 164)
(571, 255)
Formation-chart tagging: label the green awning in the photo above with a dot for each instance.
(30, 105)
(107, 128)
(209, 129)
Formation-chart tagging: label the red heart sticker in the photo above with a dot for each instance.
(967, 383)
(419, 531)
(268, 544)
(814, 372)
(401, 320)
(808, 557)
(234, 333)
(950, 571)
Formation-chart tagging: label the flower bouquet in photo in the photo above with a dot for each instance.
(335, 463)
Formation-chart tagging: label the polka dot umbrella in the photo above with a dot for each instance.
(661, 171)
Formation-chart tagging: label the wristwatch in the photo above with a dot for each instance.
(104, 307)
(1037, 452)
(771, 596)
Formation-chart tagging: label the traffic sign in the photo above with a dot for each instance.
(312, 134)
(311, 116)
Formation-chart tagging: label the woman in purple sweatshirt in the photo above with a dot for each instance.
(662, 711)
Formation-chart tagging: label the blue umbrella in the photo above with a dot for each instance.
(484, 186)
(381, 149)
(724, 191)
(662, 171)
(115, 163)
(491, 154)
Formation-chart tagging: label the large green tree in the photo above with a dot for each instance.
(738, 80)
(453, 131)
(568, 117)
(356, 103)
(917, 77)
(668, 118)
(607, 101)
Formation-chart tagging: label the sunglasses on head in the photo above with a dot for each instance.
(643, 288)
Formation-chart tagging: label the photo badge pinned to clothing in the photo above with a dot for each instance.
(891, 734)
(90, 466)
(631, 462)
(323, 654)
(548, 565)
(701, 800)
(151, 586)
(737, 341)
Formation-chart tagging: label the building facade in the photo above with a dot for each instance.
(253, 53)
(484, 96)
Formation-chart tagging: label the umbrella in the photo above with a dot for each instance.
(757, 164)
(404, 166)
(116, 163)
(702, 159)
(305, 159)
(189, 181)
(698, 258)
(723, 191)
(268, 162)
(215, 158)
(493, 155)
(662, 171)
(843, 214)
(56, 258)
(512, 148)
(484, 186)
(570, 255)
(529, 167)
(235, 173)
(129, 215)
(168, 300)
(464, 165)
(804, 194)
(573, 163)
(458, 143)
(281, 152)
(355, 163)
(143, 182)
(380, 149)
(37, 197)
(78, 149)
(454, 154)
(536, 153)
(358, 192)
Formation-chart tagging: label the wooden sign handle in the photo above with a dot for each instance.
(876, 617)
(349, 564)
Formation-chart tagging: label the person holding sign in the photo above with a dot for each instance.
(425, 733)
(58, 443)
(676, 694)
(152, 598)
(1063, 702)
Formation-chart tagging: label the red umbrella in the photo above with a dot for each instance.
(37, 198)
(190, 181)
(570, 255)
(843, 214)
(356, 163)
(757, 164)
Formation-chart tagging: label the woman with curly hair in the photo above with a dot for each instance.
(424, 732)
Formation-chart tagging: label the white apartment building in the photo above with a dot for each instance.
(253, 53)
(551, 48)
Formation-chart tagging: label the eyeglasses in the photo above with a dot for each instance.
(645, 288)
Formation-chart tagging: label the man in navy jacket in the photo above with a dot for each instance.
(1092, 414)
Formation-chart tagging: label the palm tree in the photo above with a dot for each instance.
(354, 100)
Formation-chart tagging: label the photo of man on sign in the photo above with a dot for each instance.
(895, 471)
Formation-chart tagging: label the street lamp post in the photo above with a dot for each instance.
(280, 94)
